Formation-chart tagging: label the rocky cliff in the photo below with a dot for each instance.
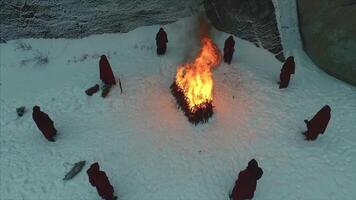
(328, 29)
(80, 18)
(253, 20)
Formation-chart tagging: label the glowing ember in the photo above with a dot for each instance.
(193, 86)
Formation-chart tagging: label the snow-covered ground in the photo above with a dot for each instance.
(146, 145)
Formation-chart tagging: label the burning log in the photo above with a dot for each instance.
(193, 86)
(201, 113)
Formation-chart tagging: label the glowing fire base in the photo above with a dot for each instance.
(201, 113)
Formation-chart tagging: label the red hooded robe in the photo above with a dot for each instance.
(317, 125)
(246, 183)
(106, 74)
(44, 123)
(99, 180)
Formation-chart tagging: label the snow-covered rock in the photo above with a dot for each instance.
(254, 21)
(251, 20)
(75, 19)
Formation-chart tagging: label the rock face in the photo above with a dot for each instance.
(252, 20)
(80, 18)
(328, 29)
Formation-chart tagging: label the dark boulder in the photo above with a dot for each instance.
(328, 30)
(252, 20)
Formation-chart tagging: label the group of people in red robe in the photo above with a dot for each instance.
(317, 125)
(319, 122)
(44, 123)
(247, 180)
(287, 70)
(162, 40)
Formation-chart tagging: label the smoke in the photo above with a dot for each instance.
(204, 27)
(200, 28)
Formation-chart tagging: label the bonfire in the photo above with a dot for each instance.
(193, 85)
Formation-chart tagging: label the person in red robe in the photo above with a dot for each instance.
(289, 65)
(317, 125)
(99, 180)
(229, 48)
(287, 70)
(106, 74)
(284, 77)
(161, 42)
(44, 123)
(245, 185)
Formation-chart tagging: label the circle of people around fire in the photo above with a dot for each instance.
(246, 182)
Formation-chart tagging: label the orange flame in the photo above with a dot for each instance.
(195, 79)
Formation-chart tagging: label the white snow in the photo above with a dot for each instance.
(146, 145)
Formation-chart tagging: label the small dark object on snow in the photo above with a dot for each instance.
(106, 90)
(317, 125)
(92, 90)
(44, 123)
(20, 111)
(246, 183)
(120, 86)
(99, 180)
(229, 48)
(287, 70)
(106, 74)
(75, 170)
(202, 113)
(161, 42)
